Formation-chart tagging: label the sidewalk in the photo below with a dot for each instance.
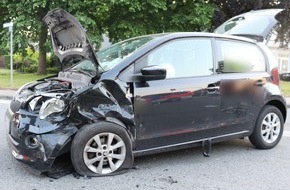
(8, 94)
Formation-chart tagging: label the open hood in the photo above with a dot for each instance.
(254, 24)
(69, 38)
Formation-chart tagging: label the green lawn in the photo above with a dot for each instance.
(18, 79)
(285, 86)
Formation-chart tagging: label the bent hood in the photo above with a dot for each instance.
(254, 24)
(69, 38)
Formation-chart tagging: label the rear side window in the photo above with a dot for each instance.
(236, 57)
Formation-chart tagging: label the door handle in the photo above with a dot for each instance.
(260, 83)
(213, 88)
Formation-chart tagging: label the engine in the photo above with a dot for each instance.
(52, 85)
(64, 81)
(64, 85)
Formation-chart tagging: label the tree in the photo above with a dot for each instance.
(29, 28)
(121, 19)
(4, 34)
(227, 9)
(283, 28)
(128, 19)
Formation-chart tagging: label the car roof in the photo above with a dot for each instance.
(202, 34)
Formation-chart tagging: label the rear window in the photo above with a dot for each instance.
(236, 56)
(255, 25)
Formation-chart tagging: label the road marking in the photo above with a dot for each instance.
(5, 102)
(286, 133)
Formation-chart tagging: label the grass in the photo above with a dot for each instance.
(18, 79)
(285, 86)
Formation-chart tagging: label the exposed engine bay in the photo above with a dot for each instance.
(65, 81)
(50, 95)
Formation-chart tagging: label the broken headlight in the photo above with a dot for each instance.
(53, 105)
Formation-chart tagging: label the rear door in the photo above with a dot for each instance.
(242, 73)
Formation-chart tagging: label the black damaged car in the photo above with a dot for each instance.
(144, 95)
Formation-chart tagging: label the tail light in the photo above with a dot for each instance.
(275, 76)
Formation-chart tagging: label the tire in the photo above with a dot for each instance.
(269, 128)
(93, 155)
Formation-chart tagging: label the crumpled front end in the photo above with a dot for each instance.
(37, 142)
(45, 116)
(40, 151)
(41, 121)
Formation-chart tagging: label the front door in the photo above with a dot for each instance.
(183, 106)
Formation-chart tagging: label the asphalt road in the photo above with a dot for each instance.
(232, 165)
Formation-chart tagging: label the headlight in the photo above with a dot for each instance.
(52, 105)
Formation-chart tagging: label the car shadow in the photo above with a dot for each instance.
(219, 150)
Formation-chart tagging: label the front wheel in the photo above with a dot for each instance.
(101, 149)
(269, 128)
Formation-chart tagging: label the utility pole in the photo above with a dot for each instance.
(9, 25)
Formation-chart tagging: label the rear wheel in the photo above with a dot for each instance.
(269, 128)
(101, 149)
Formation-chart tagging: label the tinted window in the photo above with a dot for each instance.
(240, 57)
(183, 58)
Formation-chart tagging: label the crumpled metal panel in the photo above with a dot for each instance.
(106, 100)
(50, 145)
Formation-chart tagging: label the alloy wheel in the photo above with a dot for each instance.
(104, 153)
(270, 127)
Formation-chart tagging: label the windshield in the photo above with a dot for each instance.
(85, 66)
(113, 55)
(109, 57)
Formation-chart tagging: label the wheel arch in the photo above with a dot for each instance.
(130, 129)
(278, 104)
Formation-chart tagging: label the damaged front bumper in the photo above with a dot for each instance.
(36, 142)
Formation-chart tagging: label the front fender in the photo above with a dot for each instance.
(106, 100)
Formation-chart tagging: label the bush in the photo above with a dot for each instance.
(25, 64)
(29, 62)
(53, 70)
(30, 69)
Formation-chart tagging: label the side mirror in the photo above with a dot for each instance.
(153, 73)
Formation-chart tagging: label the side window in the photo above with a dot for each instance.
(239, 57)
(183, 58)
